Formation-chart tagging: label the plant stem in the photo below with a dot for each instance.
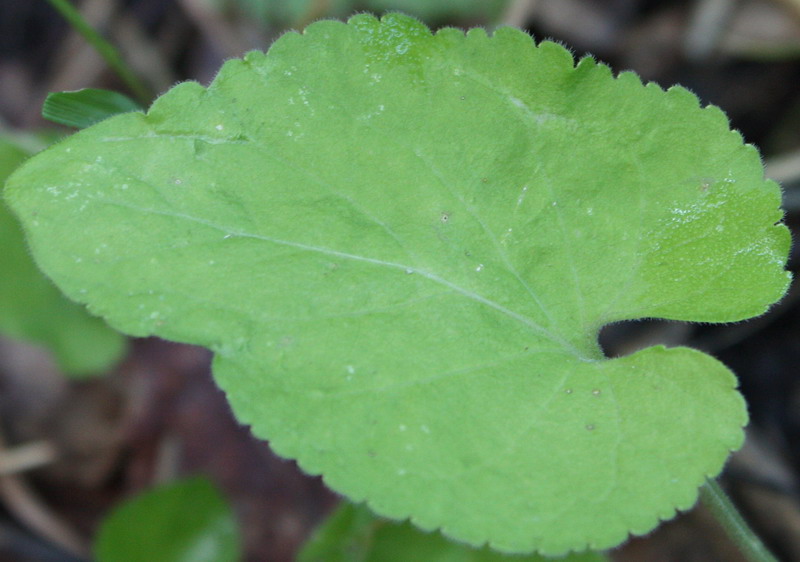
(104, 48)
(728, 516)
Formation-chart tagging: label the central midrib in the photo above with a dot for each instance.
(404, 268)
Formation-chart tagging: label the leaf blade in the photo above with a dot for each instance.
(353, 534)
(415, 301)
(32, 309)
(182, 521)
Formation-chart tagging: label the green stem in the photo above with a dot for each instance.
(104, 48)
(723, 510)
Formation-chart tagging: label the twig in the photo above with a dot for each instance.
(220, 35)
(317, 9)
(22, 502)
(519, 13)
(706, 27)
(784, 168)
(26, 457)
(143, 53)
(77, 63)
(793, 6)
(167, 459)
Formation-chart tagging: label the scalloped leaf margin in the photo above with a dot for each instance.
(401, 247)
(33, 310)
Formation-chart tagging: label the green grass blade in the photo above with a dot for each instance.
(104, 48)
(83, 108)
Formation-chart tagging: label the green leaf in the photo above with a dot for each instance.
(184, 521)
(353, 534)
(32, 309)
(401, 247)
(83, 108)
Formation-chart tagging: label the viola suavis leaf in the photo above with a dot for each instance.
(32, 309)
(353, 534)
(401, 247)
(182, 521)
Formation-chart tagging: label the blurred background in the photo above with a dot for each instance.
(88, 442)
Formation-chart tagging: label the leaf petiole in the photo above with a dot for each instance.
(723, 510)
